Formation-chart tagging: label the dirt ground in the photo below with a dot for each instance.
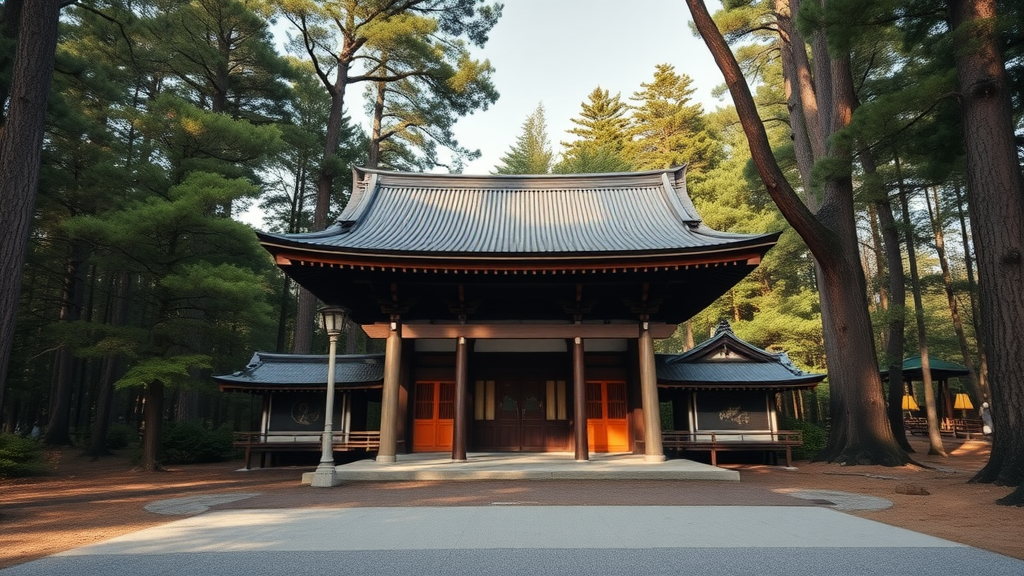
(85, 501)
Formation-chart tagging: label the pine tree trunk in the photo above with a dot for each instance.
(996, 204)
(305, 313)
(305, 317)
(874, 220)
(373, 158)
(21, 139)
(935, 446)
(282, 315)
(72, 296)
(972, 292)
(896, 320)
(153, 417)
(895, 305)
(860, 432)
(954, 307)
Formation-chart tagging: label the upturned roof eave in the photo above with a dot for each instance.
(809, 381)
(297, 249)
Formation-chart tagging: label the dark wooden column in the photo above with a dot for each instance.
(653, 451)
(389, 396)
(461, 424)
(579, 391)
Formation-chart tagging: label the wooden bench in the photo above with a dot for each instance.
(715, 442)
(264, 443)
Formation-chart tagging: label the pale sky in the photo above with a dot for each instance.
(558, 51)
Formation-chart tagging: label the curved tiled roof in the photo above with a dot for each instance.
(726, 360)
(392, 212)
(305, 371)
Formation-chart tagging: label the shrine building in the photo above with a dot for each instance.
(520, 312)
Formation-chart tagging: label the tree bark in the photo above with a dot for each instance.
(21, 141)
(860, 432)
(305, 313)
(373, 159)
(954, 308)
(894, 304)
(972, 292)
(797, 78)
(935, 446)
(72, 297)
(105, 395)
(153, 417)
(996, 205)
(896, 320)
(305, 320)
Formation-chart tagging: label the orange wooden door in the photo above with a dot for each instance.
(433, 416)
(607, 424)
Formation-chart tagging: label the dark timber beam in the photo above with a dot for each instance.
(520, 331)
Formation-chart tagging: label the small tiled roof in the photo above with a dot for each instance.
(501, 215)
(305, 372)
(726, 361)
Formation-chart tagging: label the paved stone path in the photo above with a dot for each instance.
(609, 526)
(517, 537)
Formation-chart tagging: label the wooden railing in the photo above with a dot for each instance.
(715, 442)
(293, 441)
(956, 427)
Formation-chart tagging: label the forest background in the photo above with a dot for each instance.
(166, 120)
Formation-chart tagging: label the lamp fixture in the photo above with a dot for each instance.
(962, 402)
(333, 318)
(909, 403)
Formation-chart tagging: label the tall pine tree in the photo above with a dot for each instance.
(531, 154)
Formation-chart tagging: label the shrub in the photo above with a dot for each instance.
(20, 456)
(120, 436)
(190, 442)
(815, 438)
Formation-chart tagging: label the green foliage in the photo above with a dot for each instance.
(666, 130)
(666, 415)
(815, 438)
(602, 134)
(191, 442)
(591, 159)
(531, 153)
(175, 371)
(602, 125)
(20, 456)
(121, 436)
(435, 82)
(225, 55)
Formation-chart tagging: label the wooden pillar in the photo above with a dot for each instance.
(389, 396)
(653, 452)
(461, 423)
(579, 392)
(947, 401)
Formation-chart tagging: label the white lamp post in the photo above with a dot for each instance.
(326, 475)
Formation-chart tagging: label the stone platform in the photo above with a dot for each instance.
(532, 466)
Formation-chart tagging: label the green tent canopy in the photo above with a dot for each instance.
(940, 369)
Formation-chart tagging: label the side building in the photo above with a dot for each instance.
(520, 312)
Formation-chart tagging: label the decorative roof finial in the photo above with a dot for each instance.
(723, 326)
